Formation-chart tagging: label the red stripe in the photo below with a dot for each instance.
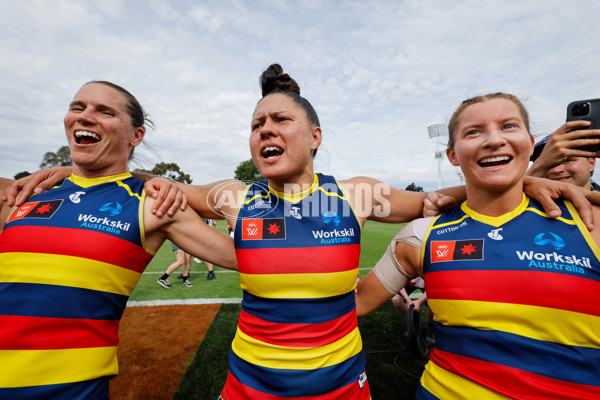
(297, 335)
(537, 288)
(235, 390)
(41, 333)
(299, 259)
(512, 382)
(75, 242)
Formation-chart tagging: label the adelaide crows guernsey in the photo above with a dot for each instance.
(298, 259)
(69, 258)
(516, 301)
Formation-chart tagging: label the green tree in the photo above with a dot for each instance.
(247, 172)
(22, 174)
(61, 158)
(414, 188)
(169, 171)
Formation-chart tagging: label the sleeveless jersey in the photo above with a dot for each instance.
(516, 300)
(69, 258)
(298, 260)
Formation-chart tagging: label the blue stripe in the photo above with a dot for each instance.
(300, 311)
(37, 300)
(294, 382)
(567, 363)
(95, 389)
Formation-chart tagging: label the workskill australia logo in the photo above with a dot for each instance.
(263, 229)
(105, 224)
(452, 250)
(544, 238)
(555, 260)
(39, 209)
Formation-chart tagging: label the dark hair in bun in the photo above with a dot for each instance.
(274, 80)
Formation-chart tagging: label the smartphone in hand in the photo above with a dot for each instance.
(586, 110)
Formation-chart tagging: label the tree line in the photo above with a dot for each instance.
(246, 171)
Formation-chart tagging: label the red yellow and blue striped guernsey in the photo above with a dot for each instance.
(69, 258)
(297, 335)
(516, 300)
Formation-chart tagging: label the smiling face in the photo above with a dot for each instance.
(282, 141)
(492, 146)
(100, 132)
(575, 170)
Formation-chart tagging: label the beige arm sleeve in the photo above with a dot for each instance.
(388, 270)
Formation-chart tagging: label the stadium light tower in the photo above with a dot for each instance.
(438, 132)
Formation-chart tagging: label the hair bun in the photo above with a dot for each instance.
(274, 79)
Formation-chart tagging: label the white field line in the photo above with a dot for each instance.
(151, 303)
(224, 272)
(174, 302)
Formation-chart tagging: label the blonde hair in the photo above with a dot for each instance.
(453, 124)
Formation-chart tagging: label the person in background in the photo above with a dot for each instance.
(182, 258)
(495, 338)
(561, 156)
(71, 256)
(209, 266)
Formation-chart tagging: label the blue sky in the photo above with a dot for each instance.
(377, 72)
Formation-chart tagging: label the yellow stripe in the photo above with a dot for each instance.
(449, 386)
(575, 329)
(300, 286)
(47, 367)
(584, 231)
(347, 198)
(126, 187)
(142, 227)
(500, 220)
(296, 197)
(63, 270)
(266, 196)
(272, 356)
(88, 182)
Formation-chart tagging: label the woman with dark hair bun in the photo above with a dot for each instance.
(297, 238)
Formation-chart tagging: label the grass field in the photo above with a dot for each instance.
(391, 370)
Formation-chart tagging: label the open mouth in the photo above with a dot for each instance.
(85, 137)
(494, 161)
(271, 152)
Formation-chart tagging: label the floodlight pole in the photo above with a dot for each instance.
(438, 131)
